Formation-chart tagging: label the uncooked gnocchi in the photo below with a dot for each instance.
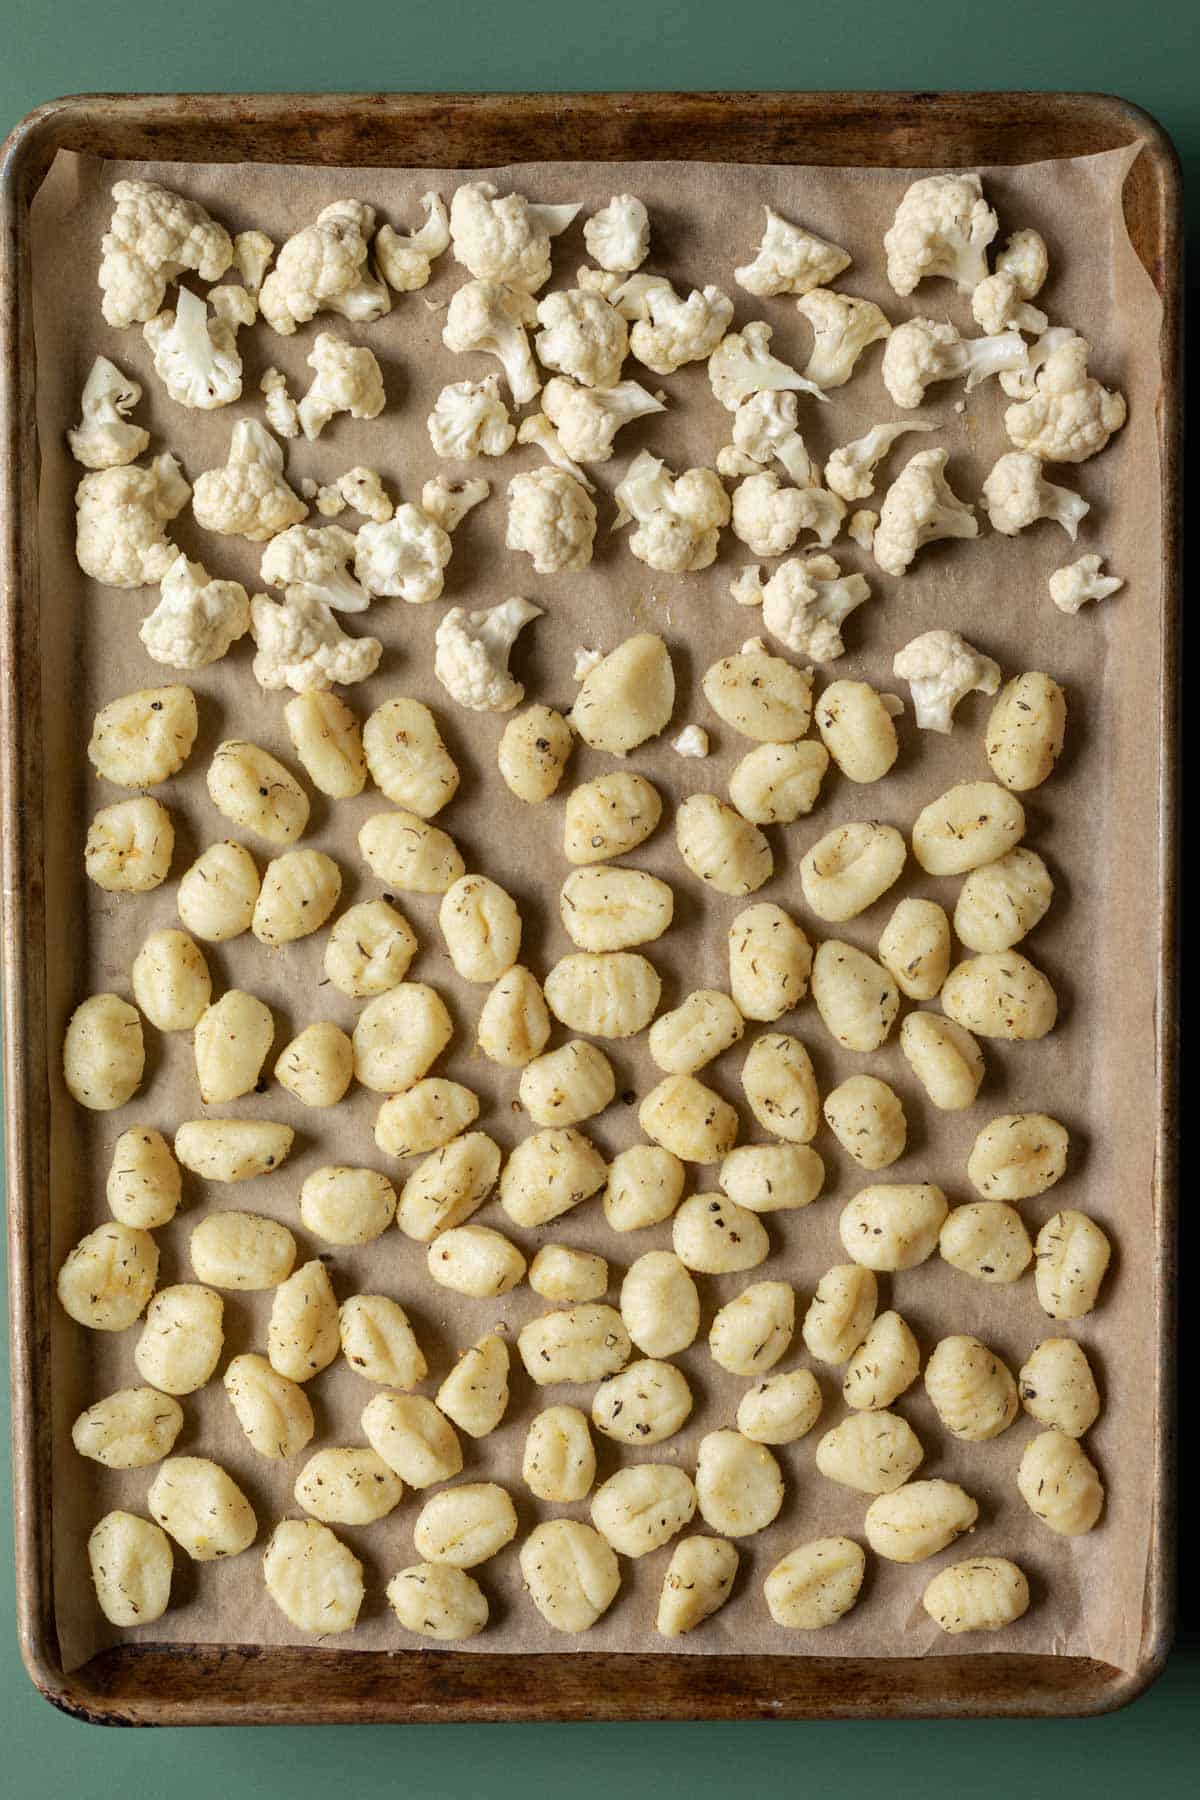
(893, 1226)
(129, 1429)
(181, 1342)
(476, 1261)
(849, 868)
(326, 737)
(398, 1036)
(1025, 732)
(252, 789)
(533, 753)
(232, 1040)
(379, 1343)
(775, 784)
(772, 1177)
(886, 1363)
(103, 1054)
(645, 1184)
(760, 695)
(570, 1573)
(628, 697)
(408, 853)
(129, 846)
(698, 1581)
(968, 825)
(548, 1174)
(369, 950)
(409, 763)
(144, 1185)
(609, 994)
(1057, 1387)
(474, 1395)
(856, 998)
(720, 847)
(867, 1119)
(314, 1579)
(438, 1602)
(202, 1508)
(108, 1277)
(448, 1186)
(302, 1333)
(170, 979)
(770, 961)
(751, 1332)
(643, 1506)
(972, 1391)
(466, 1525)
(688, 1119)
(840, 1312)
(143, 738)
(559, 1462)
(232, 1149)
(781, 1089)
(131, 1567)
(562, 1274)
(299, 891)
(1072, 1255)
(241, 1251)
(985, 1594)
(415, 1440)
(347, 1206)
(353, 1486)
(873, 1452)
(1018, 1156)
(914, 947)
(780, 1409)
(217, 895)
(567, 1085)
(918, 1520)
(701, 1028)
(275, 1413)
(481, 928)
(816, 1584)
(609, 817)
(603, 907)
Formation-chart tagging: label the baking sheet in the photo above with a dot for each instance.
(1095, 823)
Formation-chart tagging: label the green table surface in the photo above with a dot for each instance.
(53, 47)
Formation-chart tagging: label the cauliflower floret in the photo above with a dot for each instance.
(347, 379)
(315, 557)
(1024, 258)
(671, 331)
(121, 513)
(918, 509)
(764, 428)
(941, 668)
(1081, 581)
(487, 317)
(769, 518)
(582, 336)
(790, 260)
(843, 327)
(195, 357)
(631, 297)
(196, 619)
(448, 502)
(248, 496)
(324, 268)
(283, 415)
(104, 438)
(359, 488)
(742, 365)
(470, 419)
(233, 304)
(471, 660)
(692, 741)
(152, 237)
(537, 429)
(252, 253)
(1015, 496)
(996, 306)
(504, 240)
(586, 659)
(588, 419)
(618, 236)
(943, 226)
(920, 352)
(850, 471)
(1070, 416)
(805, 603)
(679, 516)
(552, 519)
(301, 645)
(861, 529)
(405, 556)
(405, 261)
(1021, 384)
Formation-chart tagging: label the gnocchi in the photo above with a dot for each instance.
(760, 695)
(816, 1584)
(533, 753)
(104, 1053)
(856, 998)
(857, 727)
(587, 1343)
(751, 1332)
(143, 738)
(840, 1312)
(647, 1402)
(129, 1429)
(1072, 1256)
(1018, 1156)
(415, 1440)
(180, 1344)
(144, 1185)
(609, 994)
(202, 1508)
(314, 1579)
(409, 763)
(971, 1390)
(687, 1118)
(945, 1059)
(698, 1581)
(895, 1226)
(369, 950)
(645, 1185)
(918, 1520)
(514, 1024)
(379, 1343)
(170, 980)
(353, 1486)
(439, 1602)
(565, 1086)
(739, 1486)
(609, 817)
(606, 907)
(317, 1066)
(720, 847)
(1001, 996)
(253, 790)
(873, 1452)
(230, 1150)
(481, 928)
(660, 1304)
(232, 1040)
(986, 1239)
(772, 1177)
(781, 1091)
(985, 1594)
(715, 1236)
(241, 1251)
(915, 948)
(398, 1036)
(770, 961)
(275, 1413)
(302, 1332)
(562, 1274)
(867, 1118)
(643, 1506)
(466, 1525)
(849, 868)
(780, 1409)
(548, 1174)
(474, 1395)
(884, 1366)
(218, 894)
(570, 1573)
(328, 741)
(408, 853)
(776, 784)
(299, 892)
(1000, 903)
(131, 1566)
(476, 1261)
(559, 1462)
(1025, 732)
(1057, 1388)
(702, 1028)
(108, 1277)
(129, 846)
(968, 825)
(347, 1206)
(448, 1186)
(628, 697)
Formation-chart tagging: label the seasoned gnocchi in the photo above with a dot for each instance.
(1072, 1256)
(567, 1085)
(697, 1583)
(688, 1119)
(326, 737)
(781, 1090)
(439, 1602)
(131, 1567)
(945, 1059)
(647, 1402)
(129, 846)
(775, 784)
(570, 1573)
(448, 1186)
(760, 695)
(918, 1520)
(660, 1304)
(984, 1594)
(559, 1462)
(1057, 1388)
(562, 1274)
(352, 1486)
(840, 1312)
(302, 1333)
(1025, 732)
(299, 892)
(474, 1395)
(606, 907)
(972, 1391)
(772, 1177)
(816, 1584)
(481, 928)
(476, 1261)
(241, 1251)
(770, 961)
(849, 868)
(317, 1066)
(1001, 996)
(254, 791)
(144, 1186)
(986, 1239)
(514, 1024)
(180, 1344)
(379, 1343)
(643, 1506)
(314, 1579)
(780, 1409)
(406, 852)
(715, 1236)
(645, 1185)
(968, 825)
(867, 1118)
(548, 1174)
(232, 1149)
(914, 947)
(170, 980)
(369, 950)
(347, 1206)
(857, 727)
(628, 697)
(218, 894)
(609, 994)
(1018, 1156)
(143, 738)
(856, 998)
(202, 1508)
(108, 1277)
(587, 1343)
(1000, 903)
(884, 1366)
(533, 753)
(893, 1226)
(702, 1028)
(104, 1053)
(275, 1413)
(739, 1486)
(720, 847)
(873, 1452)
(232, 1040)
(466, 1525)
(751, 1332)
(415, 1440)
(129, 1429)
(409, 763)
(609, 817)
(398, 1036)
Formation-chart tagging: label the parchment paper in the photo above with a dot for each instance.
(1094, 823)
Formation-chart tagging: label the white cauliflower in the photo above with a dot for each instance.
(996, 306)
(692, 742)
(152, 237)
(850, 471)
(405, 261)
(315, 557)
(918, 509)
(861, 528)
(448, 502)
(582, 336)
(630, 297)
(1021, 384)
(742, 365)
(586, 659)
(301, 645)
(248, 497)
(195, 357)
(941, 669)
(470, 419)
(618, 236)
(805, 603)
(404, 557)
(679, 517)
(359, 489)
(1081, 581)
(235, 305)
(537, 429)
(674, 331)
(943, 226)
(1024, 258)
(471, 659)
(347, 379)
(507, 239)
(843, 327)
(104, 437)
(790, 260)
(921, 352)
(769, 518)
(197, 618)
(120, 520)
(325, 268)
(764, 429)
(588, 419)
(552, 519)
(1015, 495)
(1070, 416)
(252, 253)
(283, 415)
(486, 317)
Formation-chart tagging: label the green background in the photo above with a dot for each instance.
(1149, 54)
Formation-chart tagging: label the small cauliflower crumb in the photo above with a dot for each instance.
(283, 415)
(861, 528)
(360, 490)
(448, 502)
(585, 661)
(692, 741)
